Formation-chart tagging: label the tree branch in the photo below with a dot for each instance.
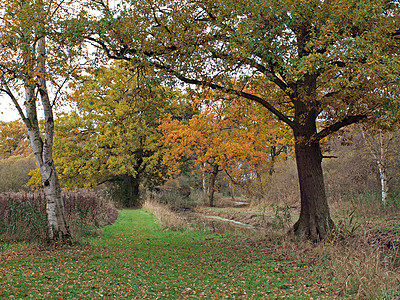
(231, 178)
(5, 88)
(338, 125)
(214, 86)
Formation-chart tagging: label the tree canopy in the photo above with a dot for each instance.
(13, 139)
(230, 135)
(335, 61)
(319, 65)
(113, 135)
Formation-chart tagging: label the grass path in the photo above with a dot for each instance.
(134, 259)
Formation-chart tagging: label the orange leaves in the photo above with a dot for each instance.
(13, 139)
(231, 133)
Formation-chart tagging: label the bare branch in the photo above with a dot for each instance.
(5, 88)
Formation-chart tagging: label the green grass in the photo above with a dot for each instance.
(134, 259)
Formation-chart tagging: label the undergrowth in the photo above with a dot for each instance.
(134, 259)
(23, 215)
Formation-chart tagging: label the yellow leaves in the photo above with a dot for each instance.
(35, 182)
(115, 132)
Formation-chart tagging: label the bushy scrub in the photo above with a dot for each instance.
(177, 193)
(86, 212)
(14, 173)
(279, 188)
(23, 215)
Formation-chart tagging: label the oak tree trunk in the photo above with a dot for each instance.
(131, 189)
(314, 222)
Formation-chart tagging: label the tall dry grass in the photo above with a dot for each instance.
(166, 218)
(364, 272)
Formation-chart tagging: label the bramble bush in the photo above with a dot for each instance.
(23, 215)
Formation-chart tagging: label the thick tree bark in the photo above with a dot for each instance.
(314, 222)
(131, 190)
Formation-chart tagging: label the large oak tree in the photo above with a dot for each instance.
(336, 63)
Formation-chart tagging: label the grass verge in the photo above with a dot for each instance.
(135, 259)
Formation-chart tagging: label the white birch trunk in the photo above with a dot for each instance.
(379, 150)
(384, 184)
(382, 169)
(58, 230)
(33, 68)
(204, 177)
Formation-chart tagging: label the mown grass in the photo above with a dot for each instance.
(134, 259)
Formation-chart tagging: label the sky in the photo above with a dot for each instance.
(7, 110)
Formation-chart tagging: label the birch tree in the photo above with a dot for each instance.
(380, 144)
(32, 60)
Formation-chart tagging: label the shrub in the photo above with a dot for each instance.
(176, 193)
(23, 215)
(86, 212)
(14, 173)
(364, 272)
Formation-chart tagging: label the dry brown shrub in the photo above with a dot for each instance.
(166, 218)
(23, 215)
(364, 272)
(353, 269)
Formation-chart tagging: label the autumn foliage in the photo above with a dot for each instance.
(13, 139)
(230, 135)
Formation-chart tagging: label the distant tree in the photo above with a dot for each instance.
(112, 136)
(382, 145)
(335, 61)
(228, 135)
(14, 173)
(13, 139)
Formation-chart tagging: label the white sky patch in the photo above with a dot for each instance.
(7, 110)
